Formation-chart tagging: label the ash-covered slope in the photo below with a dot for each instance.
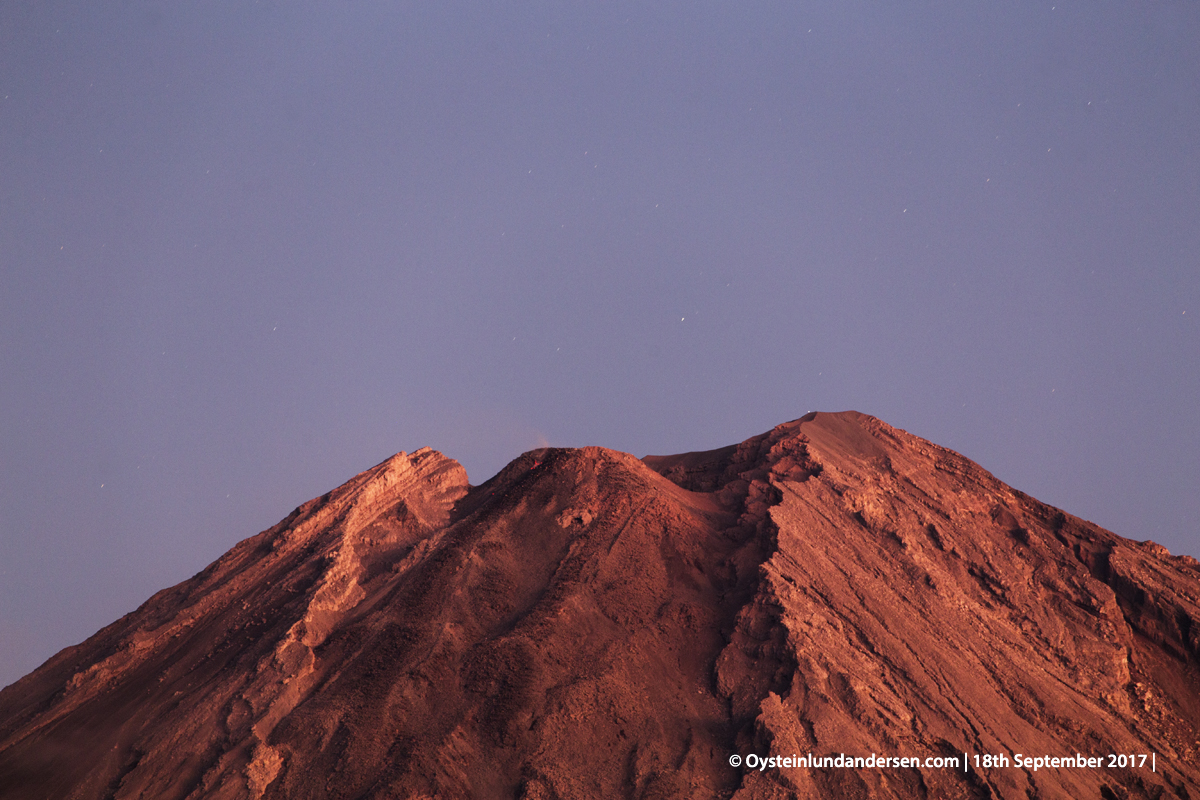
(588, 625)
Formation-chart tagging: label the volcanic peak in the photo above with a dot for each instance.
(590, 624)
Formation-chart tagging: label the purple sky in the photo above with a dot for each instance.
(248, 250)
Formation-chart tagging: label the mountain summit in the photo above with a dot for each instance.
(731, 623)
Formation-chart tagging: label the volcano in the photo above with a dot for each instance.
(835, 608)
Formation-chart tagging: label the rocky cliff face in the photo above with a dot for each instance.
(587, 624)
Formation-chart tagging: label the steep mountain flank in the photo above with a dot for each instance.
(587, 624)
(930, 609)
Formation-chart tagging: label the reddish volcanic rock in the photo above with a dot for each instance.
(587, 624)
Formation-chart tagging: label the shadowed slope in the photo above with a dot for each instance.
(557, 640)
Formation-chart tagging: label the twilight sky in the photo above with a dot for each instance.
(248, 250)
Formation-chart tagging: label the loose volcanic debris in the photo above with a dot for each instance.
(587, 624)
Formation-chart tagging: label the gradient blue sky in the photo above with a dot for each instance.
(250, 249)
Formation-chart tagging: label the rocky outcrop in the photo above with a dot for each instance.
(181, 697)
(931, 609)
(587, 624)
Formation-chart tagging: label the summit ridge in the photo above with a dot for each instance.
(587, 623)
